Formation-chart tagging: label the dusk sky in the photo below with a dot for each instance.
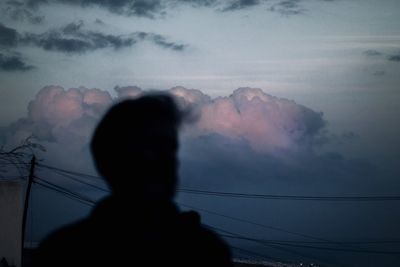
(292, 97)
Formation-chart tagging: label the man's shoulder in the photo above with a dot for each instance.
(60, 243)
(204, 239)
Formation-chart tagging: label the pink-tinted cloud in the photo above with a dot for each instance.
(59, 107)
(265, 122)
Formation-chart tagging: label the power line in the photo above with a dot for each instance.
(315, 247)
(64, 190)
(85, 201)
(318, 239)
(64, 193)
(256, 224)
(290, 197)
(69, 172)
(80, 181)
(274, 246)
(251, 195)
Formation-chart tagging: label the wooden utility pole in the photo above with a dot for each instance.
(26, 205)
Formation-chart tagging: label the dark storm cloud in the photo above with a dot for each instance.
(73, 39)
(20, 11)
(143, 8)
(241, 4)
(8, 36)
(372, 53)
(206, 3)
(394, 57)
(13, 62)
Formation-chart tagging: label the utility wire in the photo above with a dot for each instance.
(69, 172)
(318, 239)
(256, 224)
(289, 197)
(68, 192)
(250, 195)
(69, 176)
(313, 247)
(274, 246)
(73, 197)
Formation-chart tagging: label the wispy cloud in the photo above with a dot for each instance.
(74, 39)
(160, 40)
(143, 8)
(291, 7)
(394, 57)
(20, 11)
(288, 7)
(240, 4)
(13, 62)
(8, 36)
(372, 53)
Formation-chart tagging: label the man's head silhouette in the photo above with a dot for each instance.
(134, 147)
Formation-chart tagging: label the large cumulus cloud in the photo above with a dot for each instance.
(248, 118)
(265, 123)
(61, 119)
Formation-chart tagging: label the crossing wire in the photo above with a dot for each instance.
(252, 195)
(318, 240)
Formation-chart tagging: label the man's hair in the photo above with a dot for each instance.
(121, 138)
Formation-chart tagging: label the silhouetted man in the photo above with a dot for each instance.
(134, 149)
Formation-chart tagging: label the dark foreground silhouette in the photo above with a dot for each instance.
(134, 148)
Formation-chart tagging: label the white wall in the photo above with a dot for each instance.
(11, 209)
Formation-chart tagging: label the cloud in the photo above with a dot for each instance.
(394, 57)
(8, 36)
(372, 53)
(13, 62)
(291, 7)
(265, 123)
(128, 91)
(160, 40)
(19, 11)
(59, 108)
(240, 4)
(288, 7)
(196, 3)
(99, 22)
(74, 39)
(142, 8)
